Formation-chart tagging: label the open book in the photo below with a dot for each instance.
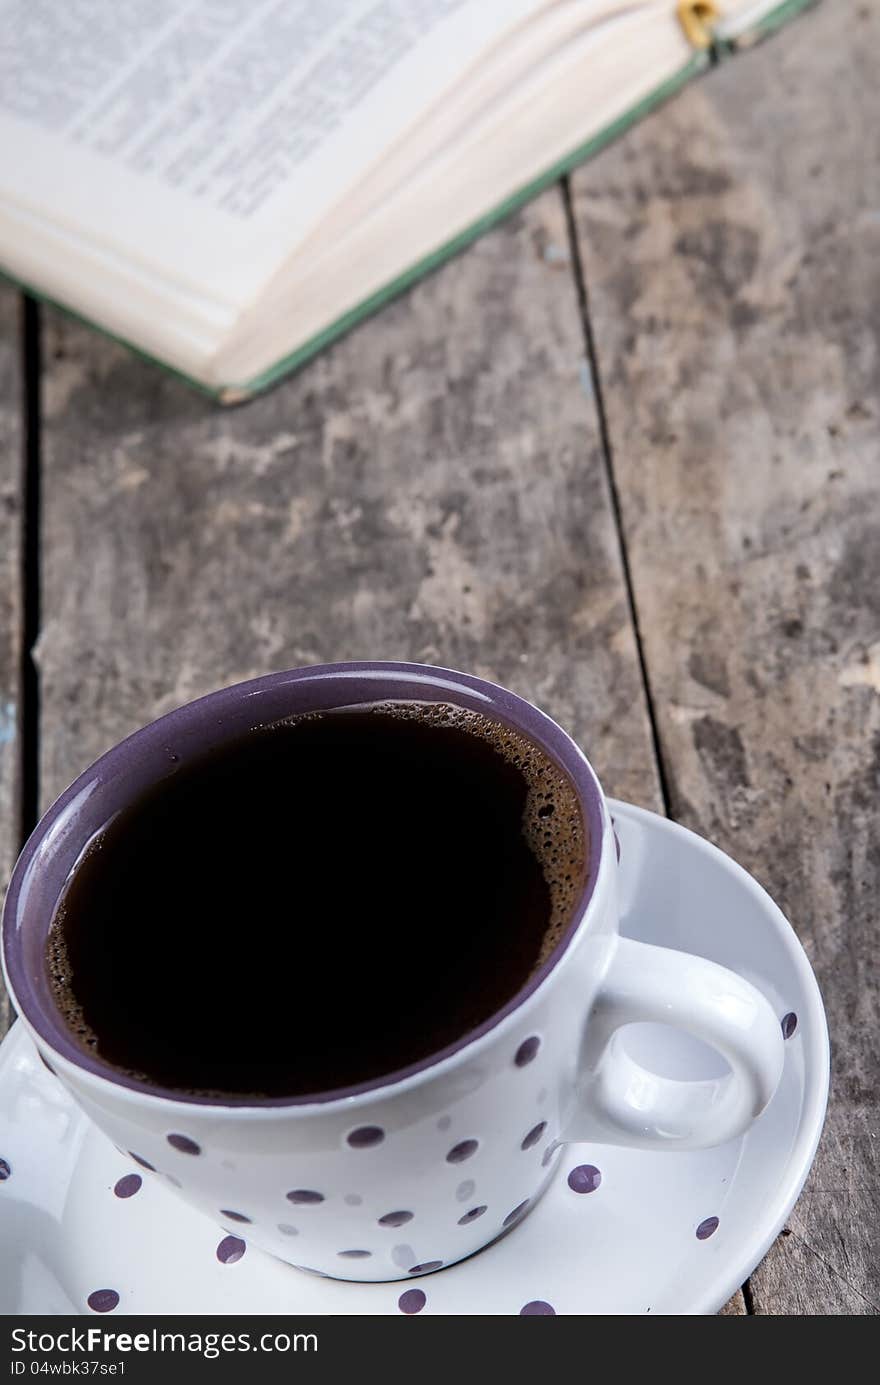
(228, 184)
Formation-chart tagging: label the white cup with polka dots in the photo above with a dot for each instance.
(408, 1173)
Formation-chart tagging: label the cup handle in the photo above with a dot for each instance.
(621, 1102)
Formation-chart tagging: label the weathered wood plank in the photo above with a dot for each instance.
(432, 489)
(10, 587)
(732, 256)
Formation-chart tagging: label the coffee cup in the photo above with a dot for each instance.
(415, 1169)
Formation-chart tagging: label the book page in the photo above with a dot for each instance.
(205, 138)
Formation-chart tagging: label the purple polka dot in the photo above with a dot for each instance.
(233, 1216)
(584, 1179)
(789, 1024)
(5, 1170)
(707, 1228)
(403, 1256)
(471, 1216)
(103, 1300)
(534, 1135)
(427, 1267)
(144, 1163)
(184, 1144)
(549, 1152)
(527, 1050)
(463, 1150)
(413, 1301)
(537, 1309)
(365, 1137)
(129, 1185)
(395, 1218)
(355, 1254)
(286, 1229)
(516, 1213)
(230, 1250)
(465, 1191)
(304, 1196)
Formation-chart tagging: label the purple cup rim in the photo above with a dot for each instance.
(137, 761)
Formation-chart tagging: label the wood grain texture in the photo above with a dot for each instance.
(736, 1308)
(430, 489)
(732, 255)
(10, 588)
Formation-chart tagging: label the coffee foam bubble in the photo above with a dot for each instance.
(552, 824)
(59, 968)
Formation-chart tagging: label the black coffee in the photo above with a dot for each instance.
(318, 903)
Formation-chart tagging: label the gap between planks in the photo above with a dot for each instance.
(744, 1302)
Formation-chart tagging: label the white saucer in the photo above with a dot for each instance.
(638, 1236)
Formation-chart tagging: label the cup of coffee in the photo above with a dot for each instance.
(334, 954)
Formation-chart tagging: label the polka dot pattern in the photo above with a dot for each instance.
(286, 1229)
(465, 1191)
(537, 1309)
(395, 1218)
(789, 1024)
(584, 1179)
(183, 1144)
(103, 1300)
(233, 1216)
(144, 1163)
(352, 1199)
(443, 1124)
(465, 1149)
(471, 1216)
(707, 1228)
(354, 1254)
(413, 1301)
(5, 1170)
(230, 1250)
(517, 1212)
(534, 1135)
(427, 1267)
(365, 1137)
(527, 1051)
(303, 1197)
(128, 1186)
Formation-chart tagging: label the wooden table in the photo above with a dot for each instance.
(621, 455)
